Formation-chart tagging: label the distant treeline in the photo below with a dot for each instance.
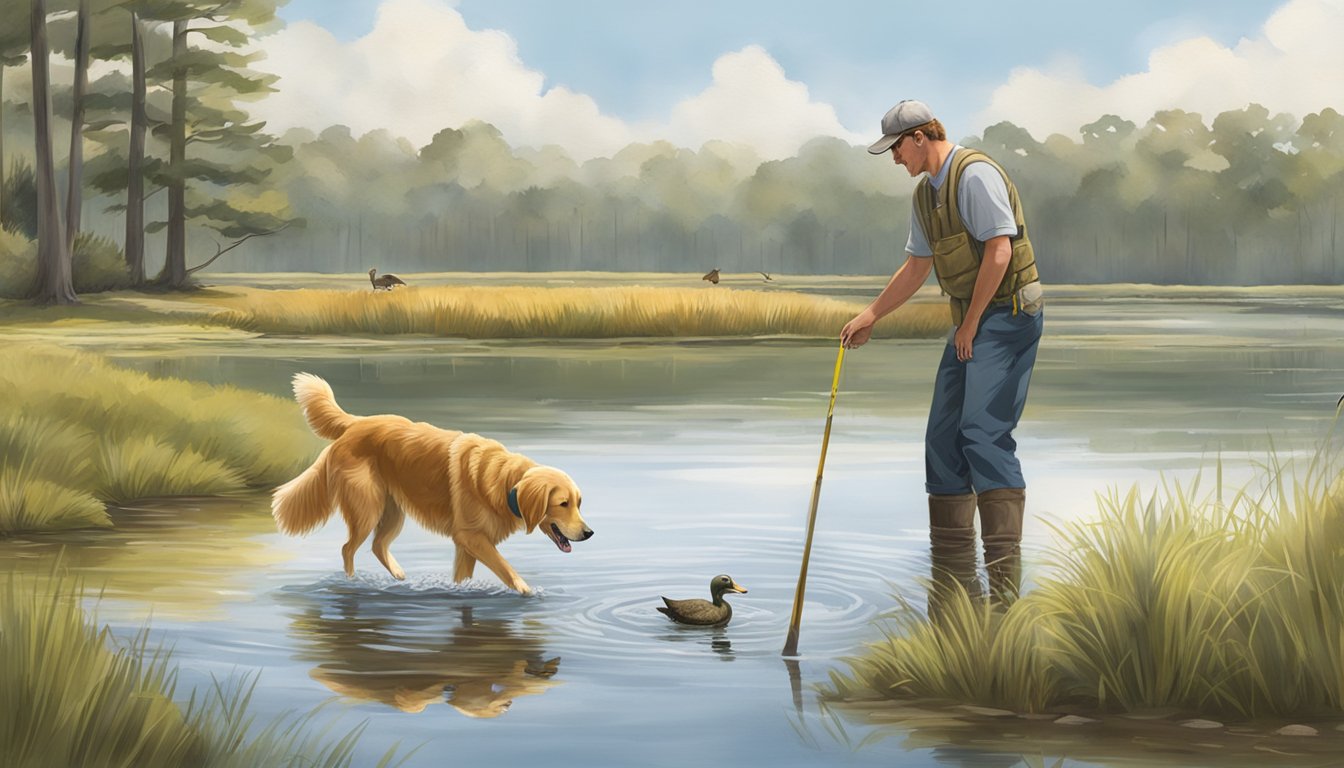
(1251, 199)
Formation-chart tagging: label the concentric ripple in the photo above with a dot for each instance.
(608, 609)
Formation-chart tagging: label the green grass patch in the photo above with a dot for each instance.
(97, 264)
(498, 312)
(1177, 600)
(74, 695)
(77, 432)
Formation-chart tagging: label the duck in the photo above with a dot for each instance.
(712, 276)
(385, 282)
(705, 613)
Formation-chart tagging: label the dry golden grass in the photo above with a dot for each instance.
(498, 312)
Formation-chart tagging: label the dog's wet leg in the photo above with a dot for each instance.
(463, 564)
(482, 550)
(361, 500)
(388, 528)
(352, 545)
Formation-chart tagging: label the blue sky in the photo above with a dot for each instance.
(635, 56)
(637, 61)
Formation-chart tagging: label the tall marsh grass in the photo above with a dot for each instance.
(1177, 600)
(77, 432)
(73, 695)
(488, 312)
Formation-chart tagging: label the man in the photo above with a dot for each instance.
(967, 226)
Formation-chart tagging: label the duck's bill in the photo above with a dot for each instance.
(739, 588)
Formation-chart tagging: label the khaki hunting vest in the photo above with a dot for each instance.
(957, 255)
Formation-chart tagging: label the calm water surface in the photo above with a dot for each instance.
(695, 459)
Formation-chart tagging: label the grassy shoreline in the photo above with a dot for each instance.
(75, 695)
(549, 306)
(499, 312)
(1176, 601)
(78, 433)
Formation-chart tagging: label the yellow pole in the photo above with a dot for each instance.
(791, 643)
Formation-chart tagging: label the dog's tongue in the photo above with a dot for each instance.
(558, 538)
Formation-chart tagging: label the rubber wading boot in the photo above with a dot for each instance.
(952, 550)
(1001, 528)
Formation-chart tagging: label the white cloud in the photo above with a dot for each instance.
(1295, 65)
(418, 71)
(751, 101)
(421, 69)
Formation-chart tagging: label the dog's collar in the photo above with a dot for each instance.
(513, 503)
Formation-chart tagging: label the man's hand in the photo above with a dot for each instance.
(962, 340)
(857, 331)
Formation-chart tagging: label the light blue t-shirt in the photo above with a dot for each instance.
(982, 199)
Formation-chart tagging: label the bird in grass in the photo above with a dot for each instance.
(384, 282)
(705, 613)
(712, 276)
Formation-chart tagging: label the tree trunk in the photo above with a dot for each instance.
(135, 187)
(55, 283)
(175, 258)
(74, 196)
(2, 146)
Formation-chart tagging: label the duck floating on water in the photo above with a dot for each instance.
(704, 613)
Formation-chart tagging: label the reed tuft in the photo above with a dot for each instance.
(1174, 600)
(73, 694)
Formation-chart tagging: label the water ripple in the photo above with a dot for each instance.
(430, 584)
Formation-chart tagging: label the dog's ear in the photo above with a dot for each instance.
(533, 494)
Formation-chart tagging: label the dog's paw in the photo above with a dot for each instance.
(399, 575)
(524, 589)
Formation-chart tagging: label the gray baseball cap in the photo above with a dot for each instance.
(899, 119)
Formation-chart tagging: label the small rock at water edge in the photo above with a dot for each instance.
(1075, 720)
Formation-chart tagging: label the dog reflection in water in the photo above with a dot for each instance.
(479, 693)
(411, 653)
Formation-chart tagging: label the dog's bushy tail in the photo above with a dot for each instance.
(319, 406)
(304, 503)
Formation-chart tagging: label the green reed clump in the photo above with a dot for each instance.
(77, 432)
(973, 655)
(1296, 658)
(1180, 600)
(97, 265)
(73, 695)
(486, 312)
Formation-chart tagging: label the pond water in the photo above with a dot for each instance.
(695, 458)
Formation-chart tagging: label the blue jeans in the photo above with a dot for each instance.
(969, 444)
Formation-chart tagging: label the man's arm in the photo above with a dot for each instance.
(900, 288)
(988, 215)
(998, 252)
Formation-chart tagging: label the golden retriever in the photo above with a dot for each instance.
(379, 469)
